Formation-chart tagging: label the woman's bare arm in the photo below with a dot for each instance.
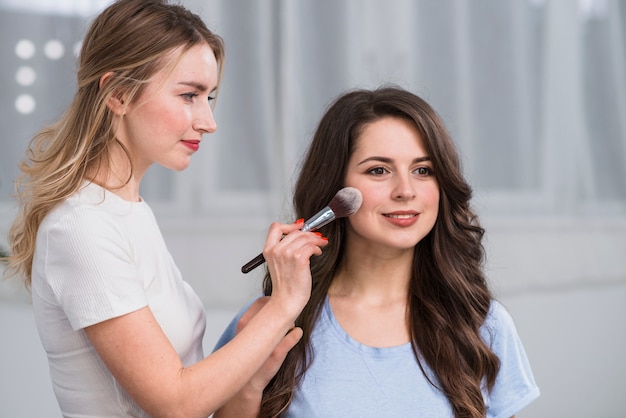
(144, 362)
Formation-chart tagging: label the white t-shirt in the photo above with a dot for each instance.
(98, 257)
(350, 379)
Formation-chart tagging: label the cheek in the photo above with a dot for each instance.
(370, 207)
(430, 203)
(367, 215)
(364, 216)
(164, 118)
(434, 204)
(430, 194)
(434, 197)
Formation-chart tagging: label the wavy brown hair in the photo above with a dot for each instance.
(448, 298)
(130, 39)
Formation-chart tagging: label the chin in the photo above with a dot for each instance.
(179, 166)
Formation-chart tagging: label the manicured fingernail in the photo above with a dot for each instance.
(319, 234)
(300, 221)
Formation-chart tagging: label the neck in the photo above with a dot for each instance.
(371, 274)
(116, 176)
(369, 296)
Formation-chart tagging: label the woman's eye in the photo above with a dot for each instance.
(424, 171)
(189, 96)
(378, 171)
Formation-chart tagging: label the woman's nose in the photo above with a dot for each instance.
(403, 188)
(204, 122)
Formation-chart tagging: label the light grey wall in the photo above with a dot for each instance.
(576, 342)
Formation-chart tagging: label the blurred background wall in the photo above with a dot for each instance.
(533, 91)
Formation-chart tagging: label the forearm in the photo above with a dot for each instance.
(246, 404)
(223, 374)
(143, 361)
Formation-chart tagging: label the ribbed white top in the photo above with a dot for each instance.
(98, 257)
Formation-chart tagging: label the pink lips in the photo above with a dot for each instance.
(194, 145)
(402, 218)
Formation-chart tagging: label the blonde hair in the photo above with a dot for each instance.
(130, 40)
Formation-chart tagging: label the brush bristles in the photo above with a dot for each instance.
(346, 202)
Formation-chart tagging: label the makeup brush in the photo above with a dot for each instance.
(345, 203)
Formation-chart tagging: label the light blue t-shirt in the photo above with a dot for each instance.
(349, 379)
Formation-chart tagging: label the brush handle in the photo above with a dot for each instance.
(321, 218)
(252, 264)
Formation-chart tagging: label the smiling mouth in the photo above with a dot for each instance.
(404, 216)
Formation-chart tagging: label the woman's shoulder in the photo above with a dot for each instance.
(499, 324)
(497, 312)
(91, 207)
(515, 385)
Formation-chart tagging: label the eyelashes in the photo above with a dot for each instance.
(377, 171)
(422, 171)
(189, 96)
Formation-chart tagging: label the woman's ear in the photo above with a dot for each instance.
(115, 102)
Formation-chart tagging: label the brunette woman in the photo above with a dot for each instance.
(401, 321)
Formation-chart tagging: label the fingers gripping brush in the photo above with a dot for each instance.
(345, 203)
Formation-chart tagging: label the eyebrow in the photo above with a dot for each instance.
(197, 86)
(389, 160)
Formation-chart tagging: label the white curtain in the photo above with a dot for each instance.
(534, 93)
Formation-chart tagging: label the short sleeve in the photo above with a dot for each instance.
(515, 385)
(90, 266)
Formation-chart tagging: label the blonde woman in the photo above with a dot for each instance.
(122, 330)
